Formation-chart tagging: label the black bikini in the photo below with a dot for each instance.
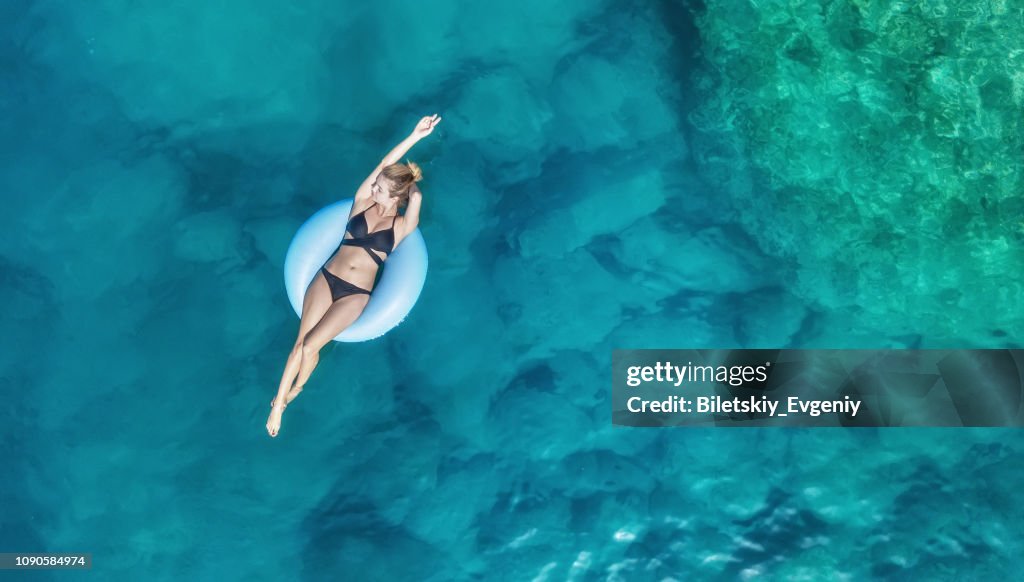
(381, 240)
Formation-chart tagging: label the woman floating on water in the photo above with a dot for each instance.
(339, 292)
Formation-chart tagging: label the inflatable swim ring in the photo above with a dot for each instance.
(399, 286)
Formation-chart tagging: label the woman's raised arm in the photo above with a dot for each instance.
(422, 130)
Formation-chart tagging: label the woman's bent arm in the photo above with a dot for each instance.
(412, 211)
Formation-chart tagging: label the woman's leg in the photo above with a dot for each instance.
(315, 304)
(340, 315)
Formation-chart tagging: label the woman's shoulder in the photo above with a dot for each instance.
(359, 207)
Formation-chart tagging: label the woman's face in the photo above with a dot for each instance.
(381, 190)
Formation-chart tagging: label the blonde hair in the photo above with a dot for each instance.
(402, 177)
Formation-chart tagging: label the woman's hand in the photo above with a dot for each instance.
(425, 126)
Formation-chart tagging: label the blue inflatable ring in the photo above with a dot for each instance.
(405, 272)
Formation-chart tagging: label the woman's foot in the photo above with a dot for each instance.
(274, 421)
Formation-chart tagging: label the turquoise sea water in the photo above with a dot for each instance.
(607, 175)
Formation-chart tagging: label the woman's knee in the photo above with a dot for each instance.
(309, 350)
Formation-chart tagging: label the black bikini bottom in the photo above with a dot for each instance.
(340, 287)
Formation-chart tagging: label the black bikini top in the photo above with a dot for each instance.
(381, 240)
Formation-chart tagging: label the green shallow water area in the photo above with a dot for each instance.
(876, 146)
(608, 174)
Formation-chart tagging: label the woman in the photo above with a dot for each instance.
(341, 289)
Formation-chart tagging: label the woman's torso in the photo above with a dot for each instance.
(353, 263)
